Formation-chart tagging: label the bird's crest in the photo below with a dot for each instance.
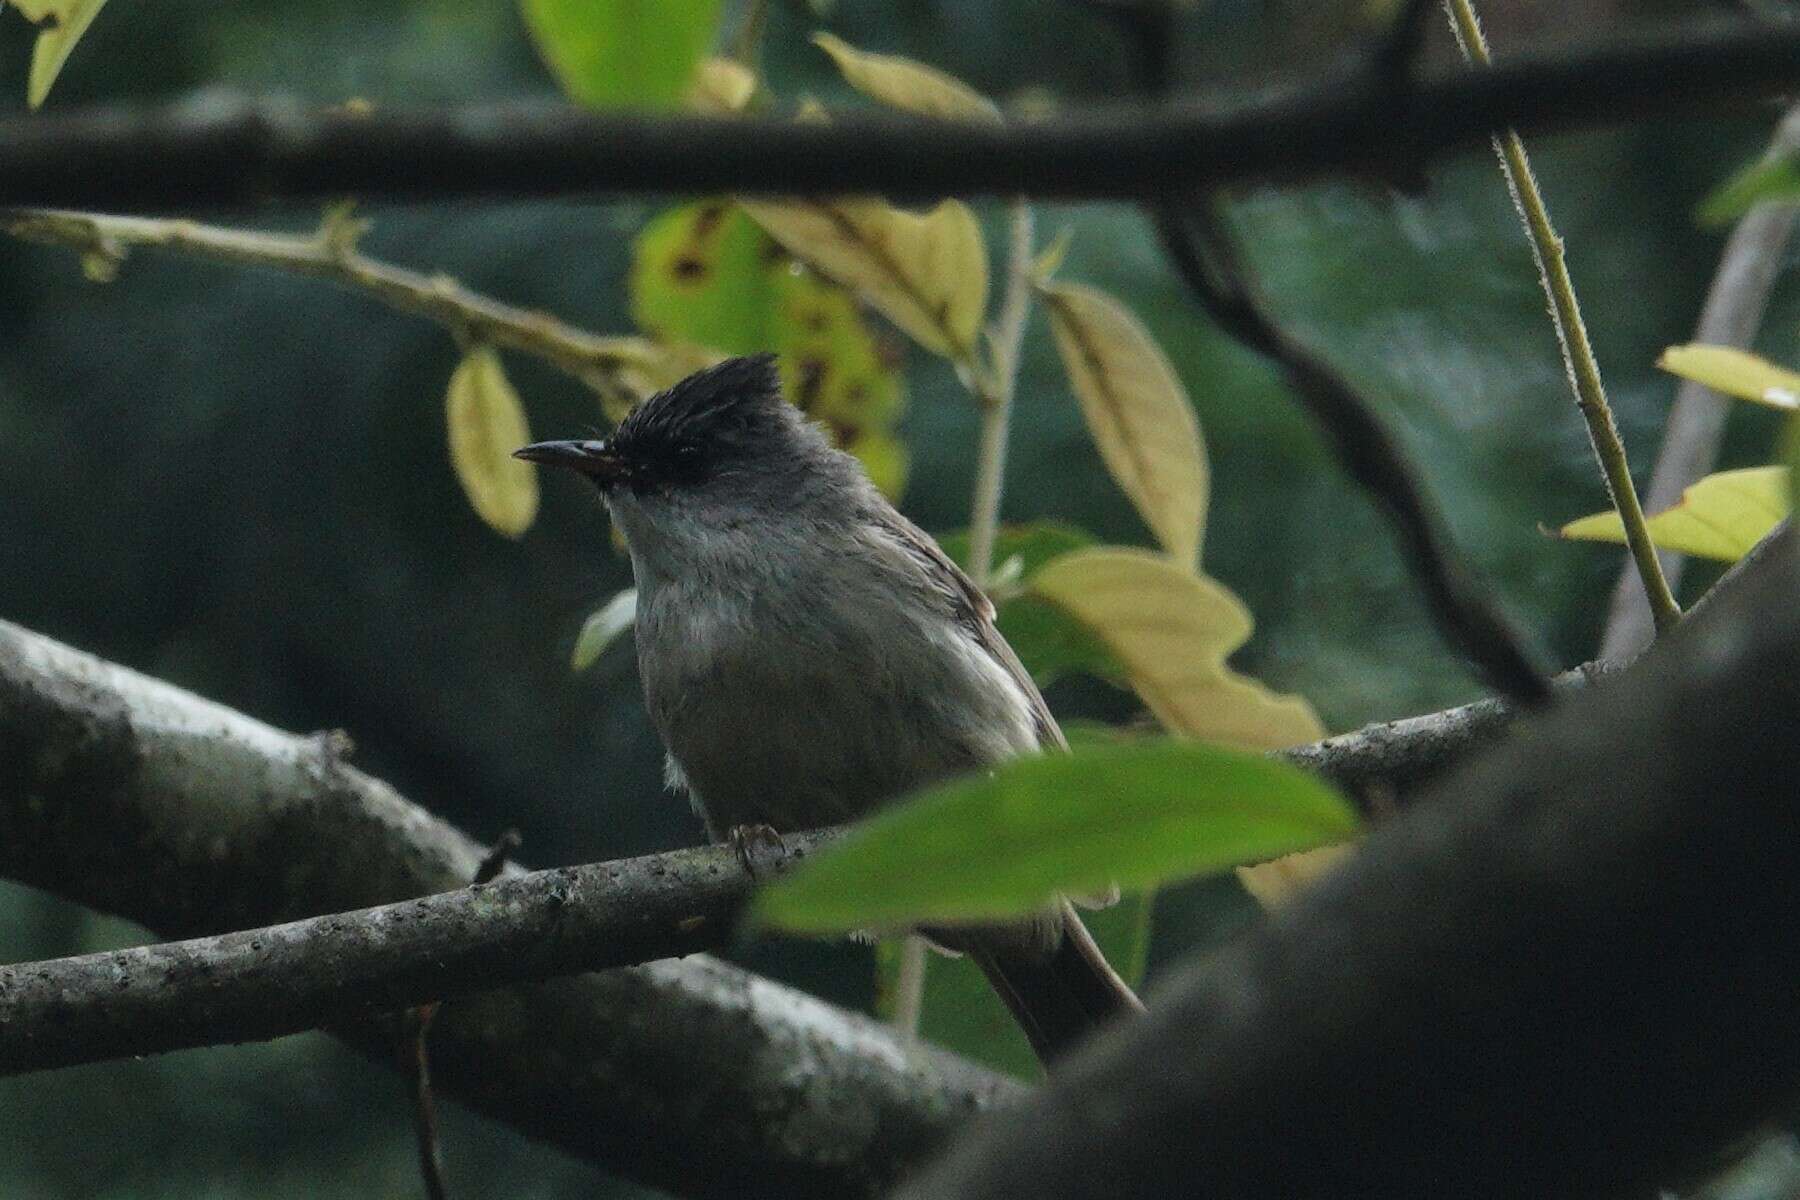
(703, 399)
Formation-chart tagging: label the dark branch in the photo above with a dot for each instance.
(1568, 972)
(213, 152)
(1204, 254)
(281, 979)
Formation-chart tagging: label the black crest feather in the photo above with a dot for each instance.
(703, 400)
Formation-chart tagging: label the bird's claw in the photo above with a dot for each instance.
(745, 839)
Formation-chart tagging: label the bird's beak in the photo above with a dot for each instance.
(593, 459)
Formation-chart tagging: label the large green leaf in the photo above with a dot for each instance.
(608, 53)
(960, 1011)
(1001, 844)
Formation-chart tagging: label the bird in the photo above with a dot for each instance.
(808, 655)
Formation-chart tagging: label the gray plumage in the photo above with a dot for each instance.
(807, 653)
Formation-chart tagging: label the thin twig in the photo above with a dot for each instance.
(748, 39)
(1733, 312)
(330, 254)
(214, 152)
(994, 388)
(415, 1066)
(909, 984)
(1571, 333)
(1204, 253)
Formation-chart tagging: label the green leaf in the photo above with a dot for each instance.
(1136, 816)
(607, 53)
(486, 424)
(603, 627)
(704, 274)
(960, 1011)
(61, 24)
(1172, 630)
(1771, 177)
(1734, 372)
(1049, 642)
(1720, 517)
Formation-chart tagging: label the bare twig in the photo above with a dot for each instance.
(994, 387)
(1571, 334)
(1733, 312)
(220, 152)
(415, 1066)
(331, 255)
(1203, 252)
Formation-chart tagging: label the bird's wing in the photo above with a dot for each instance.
(974, 611)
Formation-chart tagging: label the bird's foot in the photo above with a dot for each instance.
(747, 839)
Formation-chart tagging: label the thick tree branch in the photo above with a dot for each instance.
(140, 799)
(1569, 972)
(214, 152)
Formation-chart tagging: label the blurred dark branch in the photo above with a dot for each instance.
(1598, 915)
(1203, 252)
(607, 364)
(140, 799)
(1733, 312)
(264, 983)
(216, 151)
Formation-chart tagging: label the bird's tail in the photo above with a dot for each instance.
(1058, 994)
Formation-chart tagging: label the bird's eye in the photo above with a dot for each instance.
(687, 451)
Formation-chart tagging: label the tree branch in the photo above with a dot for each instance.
(1732, 314)
(1568, 972)
(212, 152)
(140, 799)
(331, 254)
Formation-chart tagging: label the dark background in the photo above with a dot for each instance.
(238, 481)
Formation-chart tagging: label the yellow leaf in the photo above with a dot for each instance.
(603, 627)
(1050, 259)
(1721, 517)
(722, 86)
(927, 273)
(906, 84)
(1172, 629)
(63, 22)
(1734, 372)
(1137, 411)
(486, 424)
(1281, 879)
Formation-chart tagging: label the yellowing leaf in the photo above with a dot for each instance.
(622, 52)
(1721, 517)
(1172, 630)
(62, 24)
(603, 627)
(927, 273)
(721, 85)
(1734, 372)
(1137, 411)
(487, 423)
(906, 84)
(1281, 879)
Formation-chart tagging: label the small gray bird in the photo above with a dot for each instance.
(809, 655)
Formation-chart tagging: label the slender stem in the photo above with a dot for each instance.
(749, 32)
(331, 254)
(909, 984)
(994, 389)
(1578, 354)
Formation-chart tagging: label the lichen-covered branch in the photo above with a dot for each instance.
(141, 799)
(218, 152)
(331, 254)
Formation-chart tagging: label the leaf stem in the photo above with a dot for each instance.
(1571, 333)
(331, 254)
(994, 388)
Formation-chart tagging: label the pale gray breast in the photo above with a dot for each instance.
(811, 693)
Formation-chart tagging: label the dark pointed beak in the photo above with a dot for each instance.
(593, 459)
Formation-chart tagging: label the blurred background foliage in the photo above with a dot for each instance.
(238, 481)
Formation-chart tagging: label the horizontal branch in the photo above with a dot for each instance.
(1568, 971)
(264, 983)
(331, 254)
(140, 799)
(218, 152)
